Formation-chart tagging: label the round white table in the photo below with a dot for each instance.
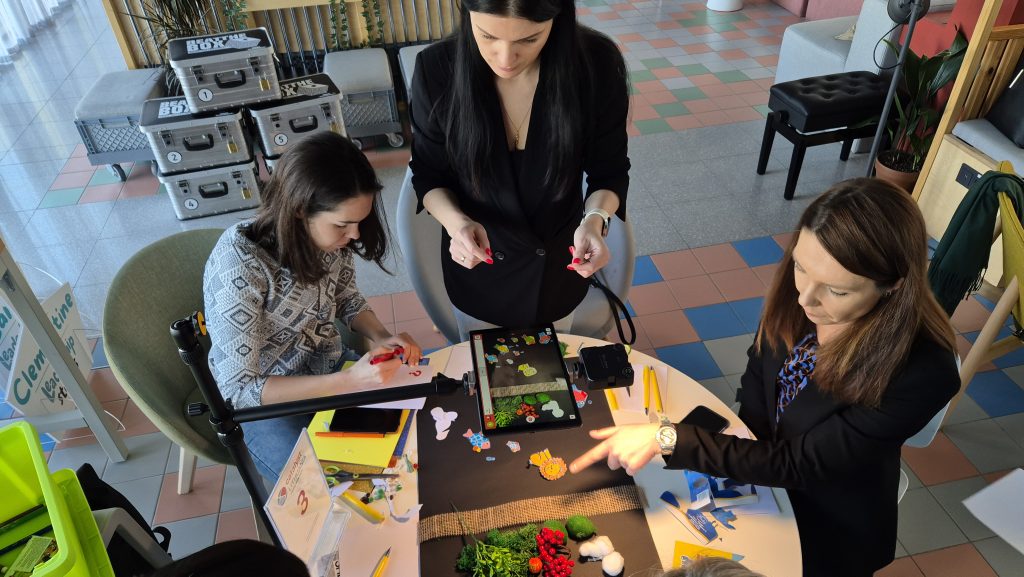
(769, 544)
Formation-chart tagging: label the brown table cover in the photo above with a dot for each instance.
(452, 473)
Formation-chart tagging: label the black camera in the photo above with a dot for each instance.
(606, 367)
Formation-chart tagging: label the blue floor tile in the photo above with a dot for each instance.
(996, 393)
(6, 411)
(749, 312)
(48, 442)
(692, 359)
(985, 302)
(645, 271)
(629, 309)
(759, 251)
(715, 322)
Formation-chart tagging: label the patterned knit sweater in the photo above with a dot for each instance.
(263, 323)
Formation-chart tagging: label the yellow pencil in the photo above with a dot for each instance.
(657, 392)
(382, 564)
(612, 403)
(647, 389)
(371, 514)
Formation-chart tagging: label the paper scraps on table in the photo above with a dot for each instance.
(579, 396)
(698, 524)
(551, 468)
(478, 440)
(442, 421)
(513, 446)
(724, 516)
(490, 459)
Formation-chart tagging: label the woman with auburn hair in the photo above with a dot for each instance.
(853, 356)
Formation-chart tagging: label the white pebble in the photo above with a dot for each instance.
(613, 563)
(596, 548)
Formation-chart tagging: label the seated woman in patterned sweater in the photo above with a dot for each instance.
(274, 287)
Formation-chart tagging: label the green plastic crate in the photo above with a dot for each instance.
(25, 482)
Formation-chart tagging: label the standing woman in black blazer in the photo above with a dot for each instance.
(853, 357)
(508, 115)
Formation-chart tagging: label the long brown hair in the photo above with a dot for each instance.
(315, 175)
(874, 230)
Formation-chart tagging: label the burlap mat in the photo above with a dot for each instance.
(589, 503)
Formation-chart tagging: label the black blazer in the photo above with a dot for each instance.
(529, 231)
(839, 463)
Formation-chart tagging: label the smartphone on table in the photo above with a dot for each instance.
(705, 418)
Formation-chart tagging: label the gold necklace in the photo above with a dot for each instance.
(515, 129)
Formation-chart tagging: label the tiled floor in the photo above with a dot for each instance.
(709, 232)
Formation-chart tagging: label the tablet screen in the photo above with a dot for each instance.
(522, 384)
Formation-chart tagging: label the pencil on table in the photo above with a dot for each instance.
(657, 392)
(613, 404)
(647, 389)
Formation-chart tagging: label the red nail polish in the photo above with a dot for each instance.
(572, 250)
(489, 261)
(488, 252)
(569, 268)
(576, 261)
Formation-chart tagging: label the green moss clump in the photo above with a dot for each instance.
(580, 528)
(543, 398)
(530, 400)
(500, 554)
(554, 525)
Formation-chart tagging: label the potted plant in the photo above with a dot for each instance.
(165, 20)
(917, 112)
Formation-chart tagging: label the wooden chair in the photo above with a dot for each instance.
(986, 347)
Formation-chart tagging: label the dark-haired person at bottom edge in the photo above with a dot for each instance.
(509, 113)
(853, 356)
(275, 286)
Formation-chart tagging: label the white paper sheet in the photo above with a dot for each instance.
(1000, 507)
(407, 375)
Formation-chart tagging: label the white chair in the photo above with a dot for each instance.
(922, 439)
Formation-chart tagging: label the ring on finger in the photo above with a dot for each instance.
(463, 259)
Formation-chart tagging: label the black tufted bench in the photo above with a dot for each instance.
(822, 110)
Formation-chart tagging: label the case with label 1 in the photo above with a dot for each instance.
(221, 71)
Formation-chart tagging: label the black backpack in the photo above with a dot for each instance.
(234, 558)
(101, 495)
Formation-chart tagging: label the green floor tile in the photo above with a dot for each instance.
(693, 69)
(61, 197)
(671, 109)
(652, 63)
(632, 89)
(691, 93)
(697, 19)
(641, 75)
(732, 76)
(103, 176)
(763, 109)
(730, 17)
(593, 3)
(721, 26)
(652, 126)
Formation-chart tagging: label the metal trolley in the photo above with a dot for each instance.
(368, 102)
(107, 117)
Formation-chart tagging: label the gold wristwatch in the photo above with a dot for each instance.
(666, 436)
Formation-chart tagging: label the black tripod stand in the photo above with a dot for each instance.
(226, 420)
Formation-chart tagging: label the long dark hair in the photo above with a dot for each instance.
(315, 175)
(566, 73)
(874, 230)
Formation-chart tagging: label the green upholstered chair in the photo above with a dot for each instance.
(161, 283)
